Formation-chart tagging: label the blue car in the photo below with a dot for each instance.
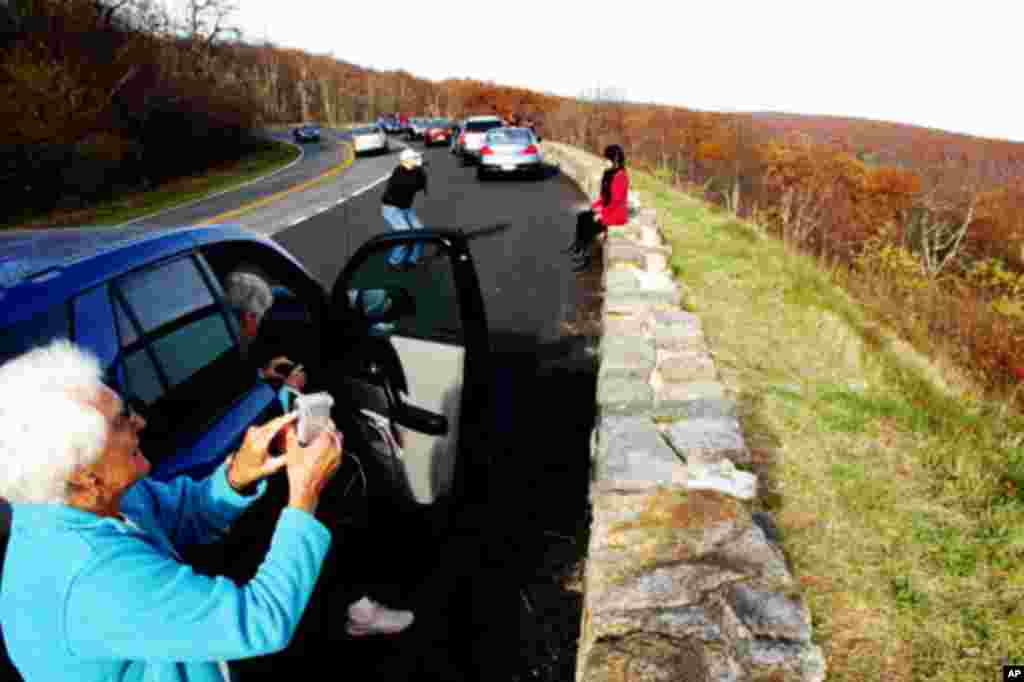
(306, 133)
(150, 304)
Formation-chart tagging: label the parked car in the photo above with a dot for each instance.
(370, 139)
(390, 125)
(437, 131)
(150, 304)
(509, 150)
(417, 126)
(471, 139)
(306, 133)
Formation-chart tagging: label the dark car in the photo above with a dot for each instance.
(150, 304)
(306, 133)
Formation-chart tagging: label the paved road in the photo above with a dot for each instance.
(316, 159)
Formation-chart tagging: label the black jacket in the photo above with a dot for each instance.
(403, 185)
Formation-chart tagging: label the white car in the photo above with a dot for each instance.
(370, 138)
(471, 138)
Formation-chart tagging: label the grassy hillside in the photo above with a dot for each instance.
(898, 495)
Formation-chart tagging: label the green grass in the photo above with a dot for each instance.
(898, 494)
(270, 156)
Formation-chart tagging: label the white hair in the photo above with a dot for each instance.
(47, 430)
(249, 293)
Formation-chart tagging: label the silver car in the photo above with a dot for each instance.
(508, 150)
(370, 138)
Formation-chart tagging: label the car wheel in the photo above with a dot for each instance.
(482, 174)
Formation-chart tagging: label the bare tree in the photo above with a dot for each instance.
(207, 20)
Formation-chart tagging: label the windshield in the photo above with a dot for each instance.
(482, 126)
(510, 136)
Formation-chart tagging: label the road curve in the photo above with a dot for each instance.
(316, 159)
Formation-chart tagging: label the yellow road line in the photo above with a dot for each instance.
(234, 213)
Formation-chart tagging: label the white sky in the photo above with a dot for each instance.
(938, 63)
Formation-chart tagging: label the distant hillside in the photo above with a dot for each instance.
(897, 143)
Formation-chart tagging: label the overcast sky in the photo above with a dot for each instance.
(937, 63)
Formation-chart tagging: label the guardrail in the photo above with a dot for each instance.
(683, 580)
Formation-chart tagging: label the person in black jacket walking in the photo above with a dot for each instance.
(407, 179)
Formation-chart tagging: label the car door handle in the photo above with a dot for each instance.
(420, 420)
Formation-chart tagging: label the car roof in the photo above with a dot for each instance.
(482, 118)
(43, 267)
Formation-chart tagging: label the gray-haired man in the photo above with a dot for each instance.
(251, 297)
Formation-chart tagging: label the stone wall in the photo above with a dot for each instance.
(683, 581)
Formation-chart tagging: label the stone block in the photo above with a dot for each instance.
(671, 318)
(631, 326)
(624, 306)
(650, 657)
(680, 336)
(723, 477)
(635, 532)
(639, 296)
(620, 281)
(752, 551)
(632, 454)
(655, 262)
(624, 251)
(699, 408)
(680, 367)
(628, 356)
(679, 395)
(617, 395)
(769, 614)
(707, 441)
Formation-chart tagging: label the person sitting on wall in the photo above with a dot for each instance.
(610, 208)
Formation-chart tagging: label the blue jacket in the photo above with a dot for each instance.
(91, 598)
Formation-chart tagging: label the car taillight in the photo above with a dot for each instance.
(462, 139)
(486, 151)
(531, 149)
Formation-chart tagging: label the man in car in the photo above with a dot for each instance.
(251, 297)
(94, 587)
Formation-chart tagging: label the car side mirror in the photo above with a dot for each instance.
(386, 304)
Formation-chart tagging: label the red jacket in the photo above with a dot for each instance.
(617, 210)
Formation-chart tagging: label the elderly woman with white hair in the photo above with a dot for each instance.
(93, 584)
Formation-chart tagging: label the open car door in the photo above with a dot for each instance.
(416, 359)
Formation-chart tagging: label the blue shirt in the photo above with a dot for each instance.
(95, 599)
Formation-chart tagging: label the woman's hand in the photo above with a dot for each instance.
(310, 468)
(253, 462)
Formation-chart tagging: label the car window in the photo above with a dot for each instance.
(482, 126)
(166, 293)
(368, 130)
(179, 356)
(510, 136)
(38, 330)
(432, 286)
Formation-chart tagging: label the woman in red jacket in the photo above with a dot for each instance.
(610, 208)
